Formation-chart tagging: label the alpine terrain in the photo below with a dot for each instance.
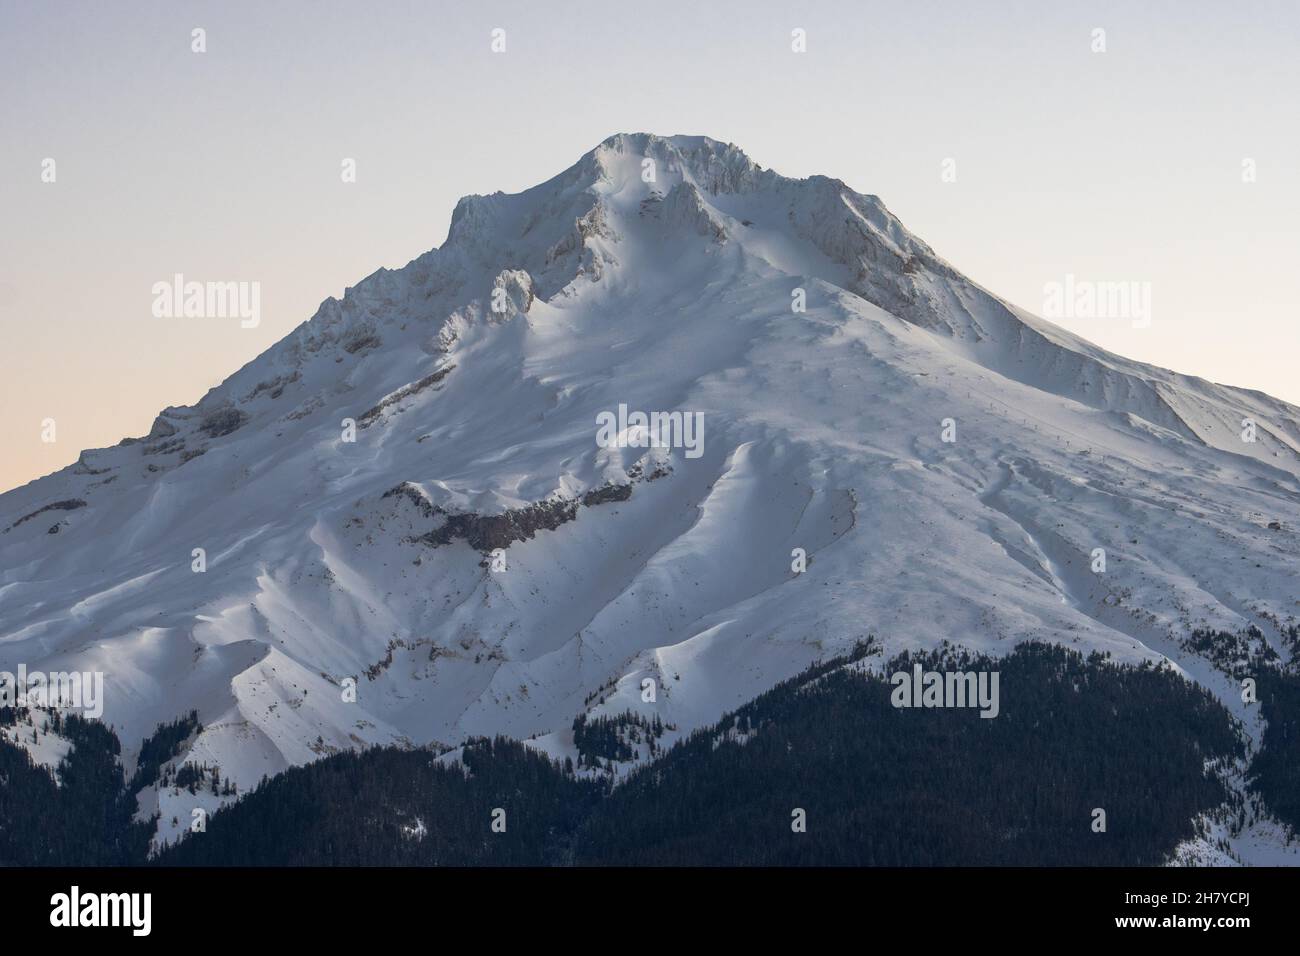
(438, 511)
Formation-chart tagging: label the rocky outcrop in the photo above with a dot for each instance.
(222, 421)
(275, 386)
(512, 295)
(414, 495)
(606, 494)
(685, 208)
(487, 533)
(69, 504)
(406, 391)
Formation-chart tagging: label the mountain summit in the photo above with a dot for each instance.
(653, 435)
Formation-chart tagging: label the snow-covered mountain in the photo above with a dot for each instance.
(828, 354)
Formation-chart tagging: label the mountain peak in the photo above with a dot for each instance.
(419, 489)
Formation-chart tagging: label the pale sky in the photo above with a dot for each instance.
(1123, 165)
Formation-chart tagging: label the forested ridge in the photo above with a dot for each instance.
(819, 770)
(85, 818)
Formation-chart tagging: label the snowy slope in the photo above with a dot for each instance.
(329, 559)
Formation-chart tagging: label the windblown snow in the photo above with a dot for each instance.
(478, 563)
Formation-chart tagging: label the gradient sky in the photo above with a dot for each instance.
(1116, 166)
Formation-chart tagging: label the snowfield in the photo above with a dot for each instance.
(472, 380)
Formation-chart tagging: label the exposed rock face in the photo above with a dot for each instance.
(684, 207)
(489, 532)
(274, 387)
(415, 496)
(223, 421)
(607, 493)
(70, 504)
(162, 428)
(512, 295)
(84, 466)
(369, 416)
(486, 533)
(164, 447)
(360, 340)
